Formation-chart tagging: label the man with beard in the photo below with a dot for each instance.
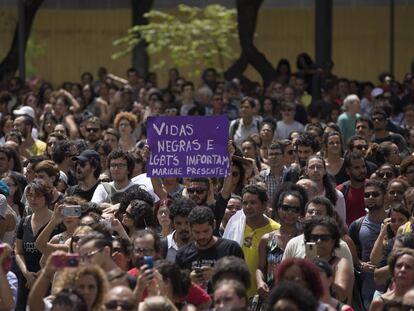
(201, 255)
(88, 169)
(305, 146)
(179, 211)
(201, 193)
(24, 124)
(93, 128)
(364, 231)
(145, 243)
(353, 189)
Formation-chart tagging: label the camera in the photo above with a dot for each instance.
(66, 260)
(71, 211)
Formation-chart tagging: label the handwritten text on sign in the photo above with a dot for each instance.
(188, 146)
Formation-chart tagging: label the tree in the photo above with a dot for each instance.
(196, 38)
(247, 11)
(10, 63)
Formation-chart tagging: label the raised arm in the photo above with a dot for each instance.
(42, 241)
(6, 293)
(376, 252)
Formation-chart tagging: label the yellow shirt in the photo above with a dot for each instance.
(251, 250)
(407, 227)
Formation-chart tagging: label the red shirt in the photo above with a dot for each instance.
(354, 202)
(196, 295)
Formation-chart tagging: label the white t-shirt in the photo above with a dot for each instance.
(100, 195)
(296, 248)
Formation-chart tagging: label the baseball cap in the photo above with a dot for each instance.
(25, 111)
(377, 92)
(87, 155)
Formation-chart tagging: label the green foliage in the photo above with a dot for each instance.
(34, 50)
(196, 38)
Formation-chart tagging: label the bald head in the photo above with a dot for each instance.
(119, 296)
(309, 185)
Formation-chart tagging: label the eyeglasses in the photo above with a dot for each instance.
(196, 190)
(385, 174)
(373, 194)
(124, 124)
(290, 209)
(361, 147)
(319, 237)
(115, 304)
(140, 250)
(118, 165)
(89, 255)
(396, 192)
(93, 129)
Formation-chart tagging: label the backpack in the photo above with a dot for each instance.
(114, 196)
(354, 234)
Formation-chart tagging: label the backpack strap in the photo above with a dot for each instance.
(354, 234)
(234, 128)
(110, 190)
(345, 188)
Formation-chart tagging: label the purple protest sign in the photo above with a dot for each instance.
(188, 146)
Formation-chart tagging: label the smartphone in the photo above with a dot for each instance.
(7, 263)
(310, 249)
(71, 211)
(66, 260)
(149, 261)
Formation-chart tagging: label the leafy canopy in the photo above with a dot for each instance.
(196, 38)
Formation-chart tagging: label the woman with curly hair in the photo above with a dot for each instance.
(126, 122)
(90, 281)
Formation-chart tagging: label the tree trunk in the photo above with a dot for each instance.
(247, 11)
(140, 58)
(10, 63)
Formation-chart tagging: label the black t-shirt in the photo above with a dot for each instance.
(30, 253)
(190, 257)
(87, 195)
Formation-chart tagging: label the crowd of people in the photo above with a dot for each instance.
(317, 213)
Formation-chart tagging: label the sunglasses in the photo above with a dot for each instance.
(385, 174)
(196, 190)
(115, 304)
(373, 194)
(290, 209)
(361, 147)
(93, 129)
(319, 237)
